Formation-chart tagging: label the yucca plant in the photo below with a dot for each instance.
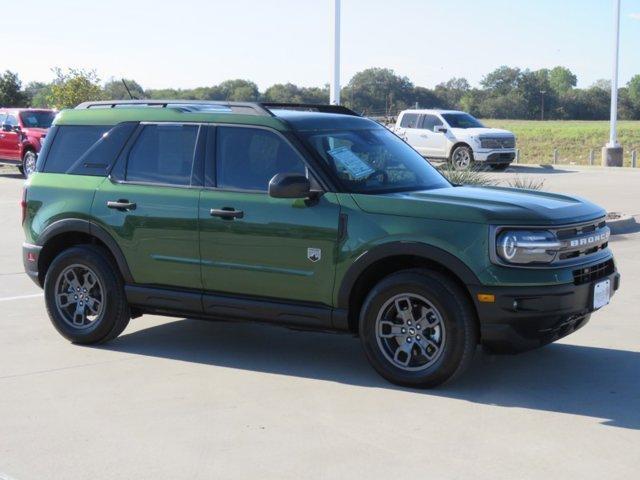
(471, 176)
(525, 183)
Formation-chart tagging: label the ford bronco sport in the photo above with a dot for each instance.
(302, 215)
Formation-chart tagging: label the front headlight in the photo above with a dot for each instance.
(527, 246)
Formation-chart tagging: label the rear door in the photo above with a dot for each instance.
(270, 247)
(150, 205)
(410, 131)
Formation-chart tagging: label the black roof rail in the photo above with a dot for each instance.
(310, 107)
(247, 108)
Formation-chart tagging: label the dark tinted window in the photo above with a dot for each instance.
(462, 120)
(69, 144)
(409, 120)
(430, 121)
(37, 119)
(163, 154)
(247, 158)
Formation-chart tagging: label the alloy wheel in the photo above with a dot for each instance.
(80, 296)
(410, 332)
(29, 167)
(461, 159)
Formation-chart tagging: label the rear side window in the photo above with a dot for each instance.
(163, 154)
(247, 158)
(409, 120)
(69, 144)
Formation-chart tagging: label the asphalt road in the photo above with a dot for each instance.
(178, 399)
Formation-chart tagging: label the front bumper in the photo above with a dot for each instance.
(30, 257)
(522, 318)
(495, 156)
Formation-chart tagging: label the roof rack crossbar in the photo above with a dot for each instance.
(248, 108)
(310, 107)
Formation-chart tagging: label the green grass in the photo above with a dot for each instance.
(573, 139)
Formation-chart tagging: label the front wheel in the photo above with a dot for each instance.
(28, 163)
(462, 158)
(84, 294)
(418, 328)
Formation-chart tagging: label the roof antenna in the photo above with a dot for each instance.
(128, 91)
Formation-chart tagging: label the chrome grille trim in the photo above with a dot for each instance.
(498, 142)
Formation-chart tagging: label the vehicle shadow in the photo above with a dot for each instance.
(539, 169)
(11, 174)
(594, 382)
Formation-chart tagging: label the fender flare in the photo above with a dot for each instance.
(71, 225)
(423, 250)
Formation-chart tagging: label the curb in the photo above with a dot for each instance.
(622, 224)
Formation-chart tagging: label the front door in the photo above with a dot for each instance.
(152, 210)
(433, 143)
(265, 247)
(10, 140)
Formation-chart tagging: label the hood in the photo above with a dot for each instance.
(482, 131)
(36, 132)
(489, 205)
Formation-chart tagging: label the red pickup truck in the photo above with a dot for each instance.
(22, 131)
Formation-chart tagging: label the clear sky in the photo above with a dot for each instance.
(188, 43)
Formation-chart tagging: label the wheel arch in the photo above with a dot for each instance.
(457, 144)
(386, 259)
(67, 233)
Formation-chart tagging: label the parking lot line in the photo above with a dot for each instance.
(20, 297)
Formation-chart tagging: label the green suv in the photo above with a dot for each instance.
(308, 216)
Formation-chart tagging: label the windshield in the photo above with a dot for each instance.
(462, 120)
(41, 119)
(374, 161)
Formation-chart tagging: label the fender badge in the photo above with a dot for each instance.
(314, 254)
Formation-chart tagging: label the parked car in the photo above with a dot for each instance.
(316, 219)
(456, 137)
(22, 131)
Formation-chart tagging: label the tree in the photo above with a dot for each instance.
(377, 91)
(37, 94)
(450, 93)
(11, 94)
(561, 80)
(73, 87)
(115, 89)
(284, 93)
(502, 80)
(239, 90)
(633, 91)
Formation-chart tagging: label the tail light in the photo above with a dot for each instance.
(23, 204)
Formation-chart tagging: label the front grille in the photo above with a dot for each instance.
(591, 274)
(583, 240)
(498, 142)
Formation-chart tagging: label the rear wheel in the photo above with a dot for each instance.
(462, 158)
(28, 163)
(418, 328)
(85, 298)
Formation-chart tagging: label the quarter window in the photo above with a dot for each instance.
(409, 120)
(69, 144)
(163, 154)
(247, 158)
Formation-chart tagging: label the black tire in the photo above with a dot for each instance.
(500, 167)
(28, 163)
(115, 313)
(462, 158)
(456, 314)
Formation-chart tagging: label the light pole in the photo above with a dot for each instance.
(334, 91)
(542, 92)
(612, 155)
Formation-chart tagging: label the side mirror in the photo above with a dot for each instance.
(289, 185)
(7, 128)
(440, 129)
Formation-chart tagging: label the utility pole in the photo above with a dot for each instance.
(612, 155)
(542, 111)
(334, 92)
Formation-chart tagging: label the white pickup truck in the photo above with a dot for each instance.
(456, 137)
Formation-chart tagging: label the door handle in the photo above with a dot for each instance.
(121, 205)
(226, 213)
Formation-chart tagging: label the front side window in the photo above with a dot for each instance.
(429, 122)
(462, 120)
(163, 154)
(374, 161)
(409, 120)
(247, 158)
(37, 119)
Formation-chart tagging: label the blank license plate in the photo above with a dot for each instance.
(601, 294)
